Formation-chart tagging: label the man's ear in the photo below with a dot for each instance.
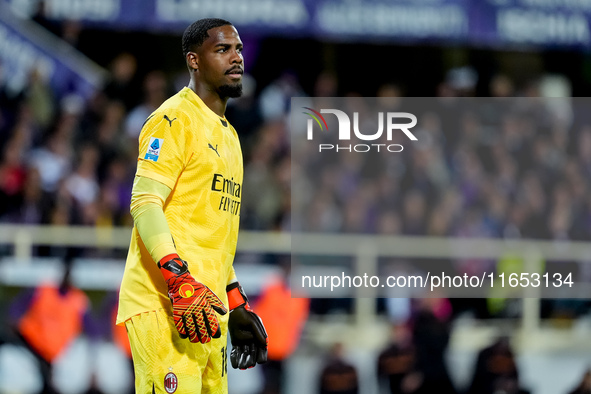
(192, 62)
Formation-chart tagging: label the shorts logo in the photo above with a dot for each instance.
(154, 149)
(186, 290)
(170, 383)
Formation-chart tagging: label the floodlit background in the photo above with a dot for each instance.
(79, 77)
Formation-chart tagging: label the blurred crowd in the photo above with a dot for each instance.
(70, 161)
(510, 168)
(50, 320)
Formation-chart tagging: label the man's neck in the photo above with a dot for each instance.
(210, 97)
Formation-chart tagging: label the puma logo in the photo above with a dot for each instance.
(168, 119)
(214, 149)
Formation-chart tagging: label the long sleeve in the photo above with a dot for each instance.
(147, 202)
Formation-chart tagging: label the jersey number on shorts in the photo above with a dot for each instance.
(224, 361)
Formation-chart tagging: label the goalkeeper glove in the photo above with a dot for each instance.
(193, 304)
(247, 333)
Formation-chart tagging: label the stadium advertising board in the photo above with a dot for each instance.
(489, 22)
(533, 22)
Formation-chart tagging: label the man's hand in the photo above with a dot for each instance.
(247, 333)
(193, 304)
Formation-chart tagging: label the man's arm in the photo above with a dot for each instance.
(194, 305)
(147, 208)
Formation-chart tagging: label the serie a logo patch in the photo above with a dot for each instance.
(170, 383)
(154, 149)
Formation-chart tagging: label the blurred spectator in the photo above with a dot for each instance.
(122, 86)
(501, 86)
(52, 161)
(496, 370)
(155, 92)
(275, 99)
(71, 30)
(430, 334)
(110, 139)
(82, 185)
(284, 319)
(40, 99)
(396, 368)
(399, 310)
(263, 173)
(245, 115)
(414, 211)
(12, 177)
(49, 319)
(338, 376)
(462, 81)
(115, 195)
(33, 207)
(326, 85)
(585, 386)
(102, 330)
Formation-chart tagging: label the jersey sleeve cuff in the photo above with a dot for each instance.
(157, 177)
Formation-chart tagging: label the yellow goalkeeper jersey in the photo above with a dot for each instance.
(197, 154)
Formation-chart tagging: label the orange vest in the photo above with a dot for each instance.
(120, 335)
(53, 320)
(283, 317)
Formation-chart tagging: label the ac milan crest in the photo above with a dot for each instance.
(170, 383)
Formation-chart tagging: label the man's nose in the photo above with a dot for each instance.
(237, 57)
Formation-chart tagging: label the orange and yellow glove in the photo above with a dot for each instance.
(247, 332)
(194, 305)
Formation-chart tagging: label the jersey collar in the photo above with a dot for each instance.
(195, 99)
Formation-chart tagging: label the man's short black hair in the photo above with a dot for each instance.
(196, 33)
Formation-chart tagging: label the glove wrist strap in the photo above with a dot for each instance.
(171, 266)
(237, 297)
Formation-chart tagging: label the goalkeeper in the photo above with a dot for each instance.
(179, 295)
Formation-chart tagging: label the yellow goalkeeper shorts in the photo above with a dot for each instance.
(165, 363)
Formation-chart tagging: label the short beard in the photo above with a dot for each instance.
(231, 91)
